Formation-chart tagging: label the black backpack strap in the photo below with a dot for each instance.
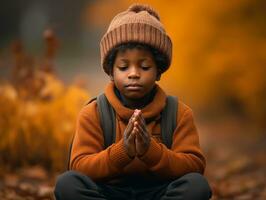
(107, 120)
(168, 120)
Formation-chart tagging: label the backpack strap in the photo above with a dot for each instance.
(168, 122)
(107, 120)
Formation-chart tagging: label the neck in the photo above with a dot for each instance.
(136, 103)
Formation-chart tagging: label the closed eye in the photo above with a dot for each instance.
(145, 68)
(122, 68)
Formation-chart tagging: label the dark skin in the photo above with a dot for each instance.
(136, 137)
(134, 75)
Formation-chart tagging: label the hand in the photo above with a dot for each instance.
(143, 138)
(129, 138)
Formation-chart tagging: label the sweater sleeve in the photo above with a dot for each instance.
(185, 155)
(88, 155)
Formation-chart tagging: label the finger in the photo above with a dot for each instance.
(137, 111)
(142, 132)
(143, 126)
(127, 133)
(137, 114)
(133, 117)
(136, 131)
(139, 117)
(136, 124)
(142, 120)
(131, 123)
(139, 138)
(131, 137)
(128, 130)
(139, 128)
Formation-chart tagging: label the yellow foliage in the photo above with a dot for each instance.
(39, 130)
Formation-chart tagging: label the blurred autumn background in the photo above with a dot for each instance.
(50, 66)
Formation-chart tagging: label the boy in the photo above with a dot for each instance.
(135, 51)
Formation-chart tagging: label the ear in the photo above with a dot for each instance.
(111, 77)
(158, 77)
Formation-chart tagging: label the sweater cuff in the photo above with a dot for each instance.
(118, 155)
(153, 154)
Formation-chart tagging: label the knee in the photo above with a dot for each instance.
(190, 186)
(65, 179)
(70, 182)
(197, 185)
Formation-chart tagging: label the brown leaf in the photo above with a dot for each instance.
(35, 172)
(11, 180)
(45, 191)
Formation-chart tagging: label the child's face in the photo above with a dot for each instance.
(134, 73)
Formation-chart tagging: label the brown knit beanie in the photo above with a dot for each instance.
(139, 23)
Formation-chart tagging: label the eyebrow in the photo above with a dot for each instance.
(125, 60)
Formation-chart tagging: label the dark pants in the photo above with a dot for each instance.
(72, 185)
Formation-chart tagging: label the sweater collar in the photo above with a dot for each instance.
(151, 110)
(145, 101)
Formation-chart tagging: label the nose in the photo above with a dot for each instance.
(133, 73)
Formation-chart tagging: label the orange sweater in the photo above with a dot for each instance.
(89, 156)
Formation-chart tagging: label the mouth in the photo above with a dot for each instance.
(133, 86)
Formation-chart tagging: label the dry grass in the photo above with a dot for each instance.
(38, 130)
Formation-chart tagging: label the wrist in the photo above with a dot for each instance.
(131, 156)
(139, 155)
(144, 151)
(129, 152)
